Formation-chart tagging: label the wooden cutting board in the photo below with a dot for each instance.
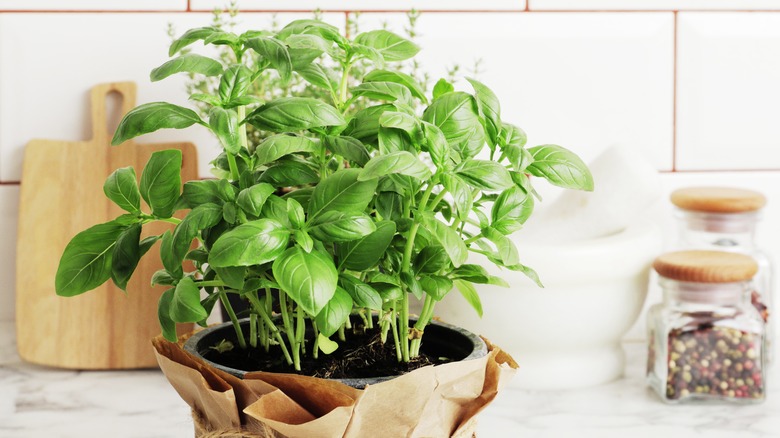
(61, 195)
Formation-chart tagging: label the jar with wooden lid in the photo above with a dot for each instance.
(706, 339)
(725, 219)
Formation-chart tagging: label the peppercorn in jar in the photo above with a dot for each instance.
(706, 339)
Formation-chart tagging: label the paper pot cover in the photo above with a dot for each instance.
(434, 401)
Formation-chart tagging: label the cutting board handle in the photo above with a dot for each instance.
(126, 91)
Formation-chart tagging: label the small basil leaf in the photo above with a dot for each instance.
(161, 182)
(363, 253)
(401, 162)
(470, 294)
(151, 117)
(335, 312)
(189, 63)
(560, 167)
(391, 46)
(252, 243)
(127, 253)
(185, 305)
(122, 188)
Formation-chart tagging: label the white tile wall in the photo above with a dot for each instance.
(584, 81)
(100, 5)
(664, 5)
(45, 81)
(367, 5)
(728, 91)
(9, 205)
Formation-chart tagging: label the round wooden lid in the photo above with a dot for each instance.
(706, 266)
(718, 199)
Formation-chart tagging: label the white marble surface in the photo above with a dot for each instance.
(42, 402)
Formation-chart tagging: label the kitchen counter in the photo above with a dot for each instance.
(42, 402)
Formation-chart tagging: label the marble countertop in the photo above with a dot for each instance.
(43, 402)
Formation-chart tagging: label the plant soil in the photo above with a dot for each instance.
(362, 355)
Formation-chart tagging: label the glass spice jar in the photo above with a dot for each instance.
(706, 339)
(725, 219)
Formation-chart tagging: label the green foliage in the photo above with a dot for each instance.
(340, 186)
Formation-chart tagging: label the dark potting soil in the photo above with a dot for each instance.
(362, 355)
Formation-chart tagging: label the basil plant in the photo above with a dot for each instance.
(338, 212)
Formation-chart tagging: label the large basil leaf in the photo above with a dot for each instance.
(252, 199)
(189, 63)
(342, 191)
(399, 78)
(449, 239)
(387, 91)
(431, 259)
(485, 175)
(365, 252)
(199, 218)
(308, 278)
(401, 162)
(185, 304)
(86, 262)
(275, 52)
(127, 253)
(234, 83)
(436, 286)
(277, 146)
(289, 114)
(560, 167)
(391, 46)
(151, 117)
(252, 243)
(506, 248)
(362, 294)
(161, 182)
(489, 108)
(511, 209)
(224, 124)
(350, 148)
(458, 118)
(335, 313)
(122, 188)
(337, 226)
(190, 37)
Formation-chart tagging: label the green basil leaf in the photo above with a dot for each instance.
(449, 239)
(405, 122)
(394, 140)
(309, 41)
(399, 78)
(199, 218)
(485, 175)
(290, 173)
(161, 182)
(252, 199)
(288, 114)
(222, 38)
(189, 63)
(224, 124)
(506, 248)
(436, 286)
(472, 273)
(207, 98)
(457, 116)
(122, 188)
(461, 194)
(530, 273)
(167, 325)
(412, 284)
(337, 226)
(388, 292)
(489, 108)
(303, 239)
(560, 167)
(391, 46)
(511, 209)
(363, 295)
(388, 205)
(342, 191)
(335, 313)
(325, 345)
(230, 213)
(295, 213)
(387, 91)
(190, 37)
(363, 253)
(401, 162)
(164, 278)
(252, 243)
(437, 145)
(302, 58)
(275, 52)
(441, 88)
(513, 140)
(302, 195)
(317, 75)
(86, 261)
(207, 191)
(276, 208)
(151, 117)
(364, 125)
(431, 259)
(208, 304)
(233, 276)
(171, 263)
(234, 83)
(468, 292)
(127, 253)
(279, 145)
(312, 27)
(372, 54)
(350, 148)
(185, 305)
(308, 278)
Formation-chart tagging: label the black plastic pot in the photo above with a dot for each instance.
(445, 339)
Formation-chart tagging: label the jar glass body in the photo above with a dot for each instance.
(706, 343)
(733, 232)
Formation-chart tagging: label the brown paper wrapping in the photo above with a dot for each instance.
(434, 401)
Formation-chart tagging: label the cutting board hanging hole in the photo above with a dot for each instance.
(110, 102)
(113, 111)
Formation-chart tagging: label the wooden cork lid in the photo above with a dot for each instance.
(718, 199)
(706, 266)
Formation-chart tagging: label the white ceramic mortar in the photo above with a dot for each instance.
(568, 334)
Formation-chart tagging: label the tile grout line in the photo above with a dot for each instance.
(428, 11)
(674, 95)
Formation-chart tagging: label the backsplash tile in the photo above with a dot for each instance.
(664, 5)
(584, 81)
(45, 81)
(100, 5)
(363, 5)
(9, 207)
(728, 89)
